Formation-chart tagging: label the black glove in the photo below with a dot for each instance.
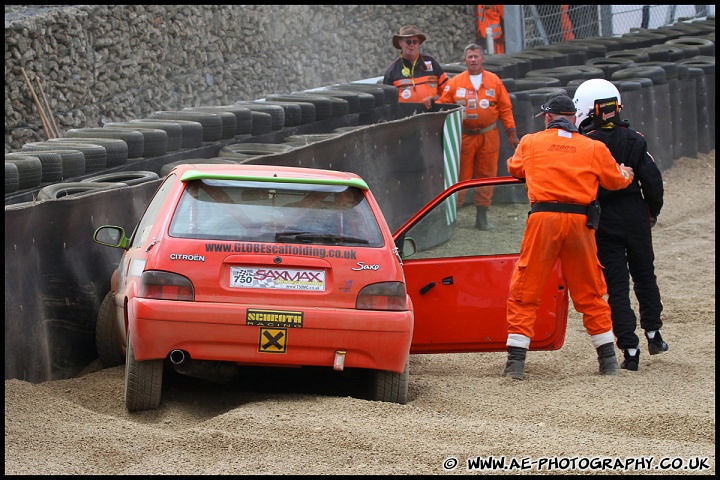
(653, 221)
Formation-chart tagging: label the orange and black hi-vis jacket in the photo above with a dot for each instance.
(491, 16)
(416, 80)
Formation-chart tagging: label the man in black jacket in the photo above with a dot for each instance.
(624, 238)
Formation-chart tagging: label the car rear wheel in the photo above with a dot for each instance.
(107, 338)
(390, 386)
(143, 381)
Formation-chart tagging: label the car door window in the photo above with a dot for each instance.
(449, 231)
(151, 212)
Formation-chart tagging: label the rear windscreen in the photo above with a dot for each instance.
(278, 213)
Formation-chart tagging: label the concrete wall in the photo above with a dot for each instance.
(110, 63)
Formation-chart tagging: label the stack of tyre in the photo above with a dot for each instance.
(666, 78)
(60, 167)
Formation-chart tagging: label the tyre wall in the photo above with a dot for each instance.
(114, 63)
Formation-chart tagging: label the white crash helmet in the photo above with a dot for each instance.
(588, 92)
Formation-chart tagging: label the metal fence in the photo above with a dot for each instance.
(549, 24)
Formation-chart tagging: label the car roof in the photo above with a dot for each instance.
(268, 173)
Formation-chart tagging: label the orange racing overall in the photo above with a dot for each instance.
(561, 167)
(480, 139)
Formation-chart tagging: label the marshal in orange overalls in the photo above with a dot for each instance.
(562, 167)
(491, 16)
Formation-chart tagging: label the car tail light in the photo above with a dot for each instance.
(383, 296)
(166, 286)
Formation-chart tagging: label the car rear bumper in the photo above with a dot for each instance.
(217, 331)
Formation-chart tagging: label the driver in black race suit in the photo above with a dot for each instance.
(623, 237)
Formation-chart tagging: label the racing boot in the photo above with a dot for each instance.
(631, 362)
(481, 221)
(607, 359)
(656, 344)
(515, 366)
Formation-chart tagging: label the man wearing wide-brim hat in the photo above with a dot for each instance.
(419, 78)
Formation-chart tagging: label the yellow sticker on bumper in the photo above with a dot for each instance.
(273, 340)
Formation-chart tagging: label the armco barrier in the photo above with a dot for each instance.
(56, 276)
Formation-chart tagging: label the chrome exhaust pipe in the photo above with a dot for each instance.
(178, 356)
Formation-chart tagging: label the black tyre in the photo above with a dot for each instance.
(374, 90)
(116, 150)
(135, 140)
(135, 177)
(390, 386)
(173, 130)
(277, 112)
(391, 92)
(143, 381)
(228, 120)
(12, 177)
(610, 65)
(155, 139)
(705, 45)
(261, 123)
(107, 337)
(73, 161)
(360, 102)
(292, 111)
(538, 60)
(192, 132)
(638, 55)
(307, 110)
(338, 106)
(29, 170)
(211, 122)
(243, 118)
(323, 105)
(66, 189)
(351, 98)
(52, 165)
(654, 73)
(95, 155)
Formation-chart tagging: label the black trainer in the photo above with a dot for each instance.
(657, 344)
(481, 221)
(607, 359)
(631, 362)
(515, 366)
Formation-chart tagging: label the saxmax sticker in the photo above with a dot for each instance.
(277, 278)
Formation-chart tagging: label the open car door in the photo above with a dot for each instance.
(459, 277)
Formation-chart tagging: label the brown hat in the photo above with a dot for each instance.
(559, 105)
(405, 32)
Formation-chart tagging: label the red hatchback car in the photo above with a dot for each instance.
(259, 265)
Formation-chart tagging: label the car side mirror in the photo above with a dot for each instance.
(111, 236)
(409, 247)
